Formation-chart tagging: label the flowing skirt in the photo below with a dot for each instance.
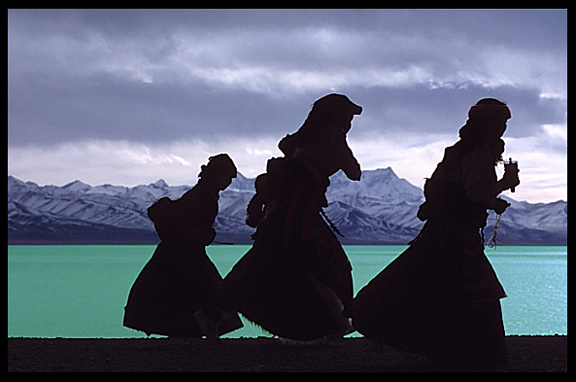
(292, 288)
(440, 298)
(177, 282)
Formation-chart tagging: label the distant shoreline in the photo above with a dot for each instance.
(526, 354)
(229, 244)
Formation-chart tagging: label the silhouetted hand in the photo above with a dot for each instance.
(500, 205)
(510, 179)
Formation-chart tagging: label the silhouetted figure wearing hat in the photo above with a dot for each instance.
(178, 292)
(296, 279)
(441, 297)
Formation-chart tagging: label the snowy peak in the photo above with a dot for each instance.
(380, 208)
(77, 186)
(382, 185)
(160, 183)
(15, 184)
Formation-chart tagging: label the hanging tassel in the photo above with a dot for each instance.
(491, 243)
(492, 239)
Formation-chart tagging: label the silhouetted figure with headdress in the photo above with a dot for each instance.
(441, 297)
(179, 290)
(296, 279)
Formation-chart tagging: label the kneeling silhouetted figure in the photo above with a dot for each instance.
(441, 297)
(178, 292)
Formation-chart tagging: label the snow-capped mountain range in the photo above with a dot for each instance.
(380, 209)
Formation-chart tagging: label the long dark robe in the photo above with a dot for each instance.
(290, 282)
(180, 279)
(440, 297)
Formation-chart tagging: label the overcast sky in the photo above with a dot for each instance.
(130, 96)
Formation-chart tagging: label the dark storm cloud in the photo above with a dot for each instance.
(66, 81)
(140, 86)
(169, 74)
(105, 108)
(444, 110)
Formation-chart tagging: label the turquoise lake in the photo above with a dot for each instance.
(81, 290)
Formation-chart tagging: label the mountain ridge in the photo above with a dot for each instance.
(380, 209)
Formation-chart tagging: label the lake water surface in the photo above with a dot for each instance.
(81, 290)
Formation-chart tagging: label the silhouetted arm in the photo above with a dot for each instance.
(351, 166)
(348, 163)
(479, 178)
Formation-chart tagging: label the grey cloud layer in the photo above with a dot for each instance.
(164, 75)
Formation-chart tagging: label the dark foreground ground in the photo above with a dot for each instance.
(527, 354)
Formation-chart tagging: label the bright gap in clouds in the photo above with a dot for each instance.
(126, 163)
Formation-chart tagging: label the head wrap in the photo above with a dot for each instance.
(486, 121)
(220, 164)
(334, 101)
(489, 110)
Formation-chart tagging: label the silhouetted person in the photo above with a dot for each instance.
(441, 297)
(296, 279)
(178, 292)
